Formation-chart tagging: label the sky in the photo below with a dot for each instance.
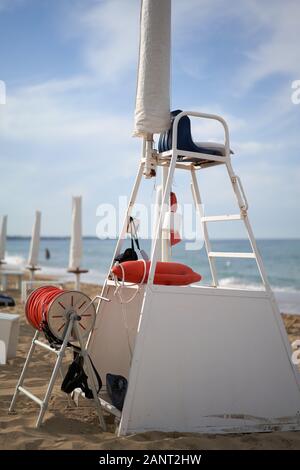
(66, 129)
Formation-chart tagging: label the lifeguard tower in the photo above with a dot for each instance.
(184, 374)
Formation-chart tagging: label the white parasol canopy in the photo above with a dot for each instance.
(152, 109)
(76, 235)
(3, 237)
(33, 257)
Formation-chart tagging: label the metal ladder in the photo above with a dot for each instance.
(243, 215)
(72, 327)
(169, 161)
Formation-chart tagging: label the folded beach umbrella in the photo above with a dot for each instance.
(3, 237)
(76, 235)
(33, 257)
(152, 109)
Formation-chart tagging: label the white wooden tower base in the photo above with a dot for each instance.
(205, 359)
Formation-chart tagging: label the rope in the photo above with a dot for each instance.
(37, 305)
(117, 293)
(120, 285)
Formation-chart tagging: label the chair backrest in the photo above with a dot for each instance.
(184, 138)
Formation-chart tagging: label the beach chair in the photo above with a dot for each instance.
(186, 143)
(9, 332)
(6, 274)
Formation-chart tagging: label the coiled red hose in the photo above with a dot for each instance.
(36, 308)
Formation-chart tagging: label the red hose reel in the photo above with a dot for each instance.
(51, 307)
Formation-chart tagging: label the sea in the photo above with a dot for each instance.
(281, 259)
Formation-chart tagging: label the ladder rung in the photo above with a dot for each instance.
(220, 218)
(30, 395)
(46, 346)
(224, 254)
(105, 404)
(110, 408)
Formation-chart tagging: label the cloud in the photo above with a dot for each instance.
(268, 34)
(51, 137)
(109, 31)
(278, 49)
(211, 130)
(191, 13)
(40, 113)
(254, 147)
(73, 134)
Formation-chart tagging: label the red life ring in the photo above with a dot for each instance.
(173, 202)
(174, 236)
(167, 274)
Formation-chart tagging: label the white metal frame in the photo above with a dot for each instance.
(71, 331)
(169, 161)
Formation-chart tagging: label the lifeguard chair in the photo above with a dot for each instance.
(197, 358)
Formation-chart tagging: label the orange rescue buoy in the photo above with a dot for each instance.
(168, 274)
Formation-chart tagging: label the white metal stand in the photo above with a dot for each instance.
(165, 242)
(205, 358)
(169, 162)
(71, 330)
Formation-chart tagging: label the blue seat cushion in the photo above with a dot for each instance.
(185, 140)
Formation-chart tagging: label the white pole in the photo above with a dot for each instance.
(3, 233)
(165, 240)
(148, 145)
(156, 217)
(77, 281)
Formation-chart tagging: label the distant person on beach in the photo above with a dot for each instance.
(47, 254)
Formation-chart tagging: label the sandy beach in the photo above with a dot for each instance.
(66, 427)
